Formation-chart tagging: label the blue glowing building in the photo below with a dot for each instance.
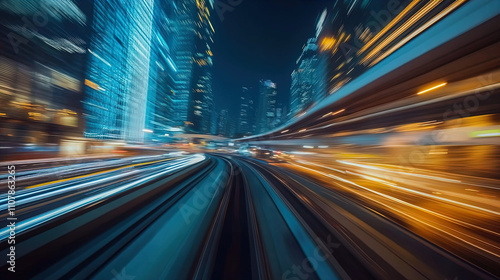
(149, 69)
(116, 83)
(160, 112)
(246, 120)
(183, 54)
(266, 112)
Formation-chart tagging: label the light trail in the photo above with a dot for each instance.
(311, 163)
(399, 172)
(96, 173)
(434, 87)
(424, 194)
(399, 201)
(50, 215)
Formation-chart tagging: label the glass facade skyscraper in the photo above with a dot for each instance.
(266, 112)
(245, 116)
(149, 69)
(186, 13)
(138, 68)
(223, 123)
(163, 71)
(116, 87)
(201, 97)
(307, 80)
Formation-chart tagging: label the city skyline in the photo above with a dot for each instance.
(173, 44)
(248, 51)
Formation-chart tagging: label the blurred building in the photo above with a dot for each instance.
(201, 97)
(308, 79)
(353, 36)
(214, 122)
(246, 113)
(160, 112)
(223, 123)
(266, 110)
(118, 70)
(252, 116)
(40, 92)
(281, 114)
(232, 127)
(162, 82)
(185, 18)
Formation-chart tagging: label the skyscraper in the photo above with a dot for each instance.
(246, 113)
(149, 69)
(223, 124)
(185, 18)
(214, 120)
(353, 36)
(281, 114)
(163, 71)
(138, 58)
(308, 85)
(201, 98)
(266, 112)
(39, 91)
(252, 114)
(116, 87)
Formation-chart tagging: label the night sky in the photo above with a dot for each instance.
(259, 39)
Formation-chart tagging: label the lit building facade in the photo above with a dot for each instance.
(201, 97)
(163, 70)
(281, 115)
(246, 113)
(118, 66)
(40, 92)
(252, 114)
(308, 80)
(223, 123)
(185, 19)
(353, 36)
(266, 112)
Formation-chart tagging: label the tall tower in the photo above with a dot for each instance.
(244, 118)
(185, 19)
(163, 71)
(201, 97)
(266, 112)
(222, 124)
(138, 68)
(307, 86)
(116, 90)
